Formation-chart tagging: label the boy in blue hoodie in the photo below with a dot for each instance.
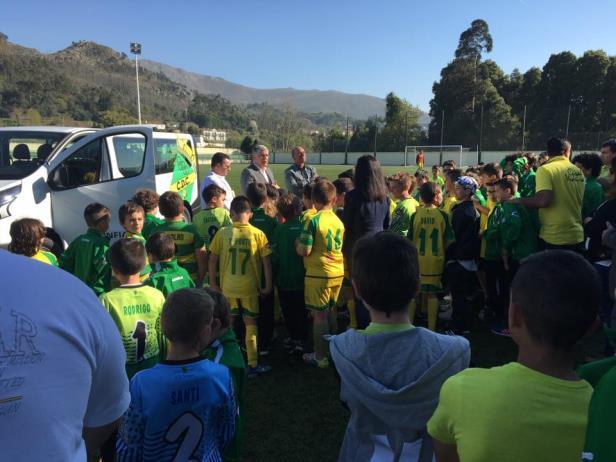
(391, 372)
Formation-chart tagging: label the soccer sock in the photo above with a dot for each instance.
(424, 304)
(352, 314)
(332, 320)
(320, 344)
(412, 308)
(432, 313)
(252, 333)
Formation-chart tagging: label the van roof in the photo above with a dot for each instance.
(45, 128)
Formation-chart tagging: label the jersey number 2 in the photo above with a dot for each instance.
(433, 241)
(189, 428)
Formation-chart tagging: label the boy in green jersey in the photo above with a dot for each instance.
(289, 271)
(166, 274)
(401, 186)
(132, 218)
(86, 256)
(225, 350)
(134, 306)
(437, 176)
(27, 237)
(590, 165)
(534, 409)
(257, 195)
(190, 249)
(215, 216)
(528, 180)
(148, 199)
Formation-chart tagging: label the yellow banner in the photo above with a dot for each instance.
(183, 182)
(186, 150)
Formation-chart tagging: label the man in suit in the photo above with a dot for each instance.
(258, 171)
(299, 174)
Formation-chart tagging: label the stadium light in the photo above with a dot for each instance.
(135, 48)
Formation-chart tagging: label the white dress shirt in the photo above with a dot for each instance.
(220, 181)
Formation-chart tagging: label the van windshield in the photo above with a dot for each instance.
(21, 153)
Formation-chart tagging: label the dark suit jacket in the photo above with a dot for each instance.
(252, 174)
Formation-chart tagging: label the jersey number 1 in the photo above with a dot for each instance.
(333, 242)
(234, 255)
(139, 334)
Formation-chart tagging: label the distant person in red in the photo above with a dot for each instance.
(420, 159)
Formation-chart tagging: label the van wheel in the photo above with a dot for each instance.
(53, 242)
(187, 213)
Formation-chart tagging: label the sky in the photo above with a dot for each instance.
(369, 47)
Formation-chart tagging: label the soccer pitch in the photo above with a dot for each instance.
(329, 171)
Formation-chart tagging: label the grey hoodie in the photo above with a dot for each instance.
(391, 384)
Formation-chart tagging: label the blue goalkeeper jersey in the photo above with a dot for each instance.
(179, 411)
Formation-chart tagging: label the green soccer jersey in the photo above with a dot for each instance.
(491, 236)
(209, 221)
(527, 184)
(518, 235)
(147, 269)
(150, 224)
(401, 218)
(168, 276)
(593, 197)
(86, 258)
(287, 264)
(187, 241)
(136, 312)
(264, 222)
(226, 351)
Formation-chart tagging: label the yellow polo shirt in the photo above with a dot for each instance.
(561, 222)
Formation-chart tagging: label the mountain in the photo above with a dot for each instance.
(357, 106)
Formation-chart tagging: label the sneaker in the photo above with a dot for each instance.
(502, 331)
(264, 353)
(310, 358)
(260, 369)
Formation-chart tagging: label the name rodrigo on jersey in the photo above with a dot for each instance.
(137, 309)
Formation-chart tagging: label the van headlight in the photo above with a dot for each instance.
(8, 195)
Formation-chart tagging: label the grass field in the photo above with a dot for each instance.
(294, 413)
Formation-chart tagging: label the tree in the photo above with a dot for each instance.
(474, 40)
(117, 116)
(401, 127)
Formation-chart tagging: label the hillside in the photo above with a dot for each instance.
(356, 106)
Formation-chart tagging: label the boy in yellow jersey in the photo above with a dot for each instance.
(320, 244)
(148, 199)
(27, 235)
(134, 306)
(132, 219)
(401, 186)
(451, 176)
(536, 408)
(309, 209)
(190, 249)
(241, 254)
(431, 233)
(215, 216)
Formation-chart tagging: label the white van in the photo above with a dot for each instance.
(53, 173)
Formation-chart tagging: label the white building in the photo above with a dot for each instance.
(214, 138)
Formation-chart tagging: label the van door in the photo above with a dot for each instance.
(107, 167)
(176, 166)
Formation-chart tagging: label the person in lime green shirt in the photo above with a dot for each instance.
(534, 409)
(27, 236)
(391, 372)
(590, 165)
(86, 256)
(134, 307)
(560, 190)
(190, 248)
(401, 186)
(288, 268)
(437, 176)
(215, 216)
(148, 199)
(166, 276)
(132, 218)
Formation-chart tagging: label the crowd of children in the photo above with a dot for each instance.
(182, 294)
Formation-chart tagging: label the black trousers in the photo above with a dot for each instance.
(499, 284)
(577, 248)
(461, 284)
(295, 314)
(265, 322)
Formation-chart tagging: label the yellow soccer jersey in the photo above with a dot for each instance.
(241, 249)
(322, 237)
(307, 215)
(431, 233)
(447, 205)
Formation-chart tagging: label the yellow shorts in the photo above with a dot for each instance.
(246, 306)
(321, 294)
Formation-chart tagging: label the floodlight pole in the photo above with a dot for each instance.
(442, 131)
(346, 146)
(480, 133)
(568, 118)
(524, 129)
(376, 131)
(135, 48)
